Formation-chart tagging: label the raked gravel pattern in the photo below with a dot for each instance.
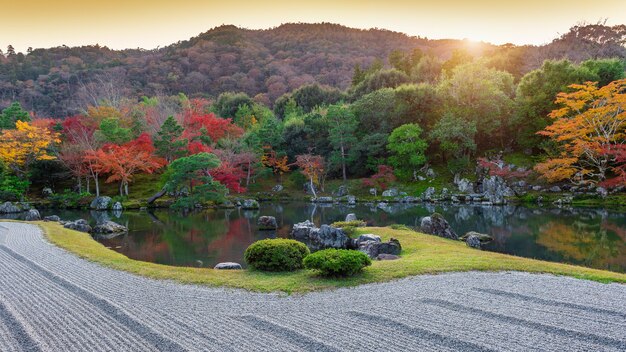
(51, 300)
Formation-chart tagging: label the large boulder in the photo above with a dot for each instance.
(47, 192)
(32, 215)
(496, 189)
(100, 203)
(351, 200)
(374, 248)
(391, 192)
(465, 186)
(78, 225)
(428, 194)
(438, 226)
(483, 238)
(228, 266)
(9, 208)
(341, 191)
(109, 227)
(54, 218)
(250, 204)
(267, 223)
(320, 238)
(117, 206)
(351, 217)
(473, 241)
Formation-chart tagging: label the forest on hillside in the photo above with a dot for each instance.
(264, 64)
(389, 114)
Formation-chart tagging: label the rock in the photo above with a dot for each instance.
(455, 199)
(483, 238)
(250, 204)
(536, 188)
(109, 227)
(373, 191)
(267, 223)
(428, 194)
(277, 188)
(445, 193)
(351, 200)
(555, 189)
(33, 215)
(496, 189)
(9, 208)
(52, 218)
(409, 199)
(375, 248)
(117, 206)
(421, 178)
(384, 256)
(430, 173)
(341, 191)
(100, 203)
(323, 200)
(320, 238)
(465, 186)
(473, 241)
(438, 226)
(227, 204)
(391, 192)
(47, 192)
(367, 237)
(78, 225)
(602, 192)
(351, 217)
(228, 266)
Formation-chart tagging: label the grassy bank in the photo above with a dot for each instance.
(422, 254)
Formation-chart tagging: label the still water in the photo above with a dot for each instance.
(591, 237)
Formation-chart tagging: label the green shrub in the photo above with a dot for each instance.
(276, 254)
(337, 262)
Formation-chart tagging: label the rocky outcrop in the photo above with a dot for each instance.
(375, 248)
(465, 186)
(109, 227)
(10, 208)
(100, 203)
(473, 241)
(32, 215)
(250, 204)
(496, 190)
(267, 223)
(78, 225)
(438, 226)
(54, 218)
(320, 238)
(351, 217)
(228, 266)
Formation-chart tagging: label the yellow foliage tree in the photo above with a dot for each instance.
(27, 143)
(588, 130)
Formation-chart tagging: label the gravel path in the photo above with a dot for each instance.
(51, 300)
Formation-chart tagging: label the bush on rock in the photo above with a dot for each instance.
(337, 262)
(276, 255)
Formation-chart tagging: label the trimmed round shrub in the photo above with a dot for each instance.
(337, 262)
(276, 254)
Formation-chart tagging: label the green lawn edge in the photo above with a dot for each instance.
(421, 254)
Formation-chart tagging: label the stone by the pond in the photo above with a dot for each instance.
(9, 208)
(391, 192)
(250, 204)
(428, 193)
(323, 237)
(52, 218)
(602, 192)
(555, 189)
(351, 200)
(323, 200)
(438, 226)
(109, 227)
(100, 203)
(47, 192)
(341, 191)
(465, 186)
(33, 215)
(117, 206)
(78, 225)
(484, 238)
(351, 217)
(496, 189)
(473, 241)
(385, 256)
(373, 191)
(228, 266)
(267, 223)
(277, 188)
(375, 248)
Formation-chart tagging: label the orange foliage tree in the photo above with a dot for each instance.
(587, 130)
(313, 167)
(278, 164)
(27, 143)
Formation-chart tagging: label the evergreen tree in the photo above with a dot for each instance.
(168, 143)
(11, 115)
(342, 137)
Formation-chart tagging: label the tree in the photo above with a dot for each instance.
(381, 179)
(459, 57)
(407, 149)
(313, 167)
(111, 132)
(168, 142)
(122, 162)
(21, 147)
(228, 103)
(11, 115)
(278, 165)
(589, 131)
(342, 136)
(194, 173)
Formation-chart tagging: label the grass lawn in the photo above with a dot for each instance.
(422, 254)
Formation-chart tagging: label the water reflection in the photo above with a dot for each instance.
(588, 236)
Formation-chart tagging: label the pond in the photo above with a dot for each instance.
(591, 237)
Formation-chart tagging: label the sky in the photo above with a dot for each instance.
(148, 24)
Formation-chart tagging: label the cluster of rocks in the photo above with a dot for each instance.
(245, 204)
(436, 225)
(317, 238)
(267, 223)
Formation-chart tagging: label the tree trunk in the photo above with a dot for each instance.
(158, 195)
(95, 179)
(313, 187)
(126, 188)
(121, 188)
(80, 184)
(343, 163)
